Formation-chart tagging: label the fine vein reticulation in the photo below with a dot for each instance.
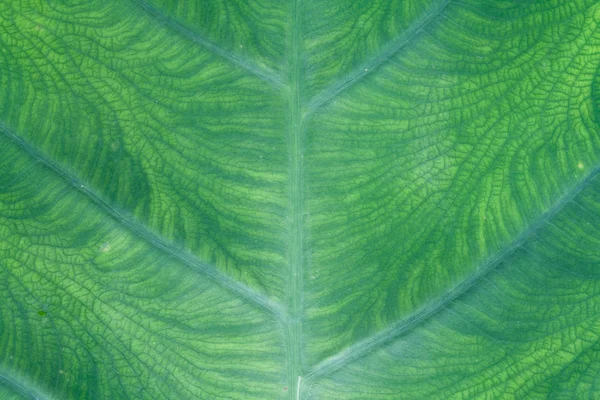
(143, 232)
(370, 66)
(365, 346)
(399, 153)
(267, 75)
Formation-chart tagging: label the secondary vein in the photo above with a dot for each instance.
(370, 67)
(376, 341)
(263, 73)
(26, 389)
(146, 234)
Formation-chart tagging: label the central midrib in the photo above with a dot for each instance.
(296, 208)
(296, 133)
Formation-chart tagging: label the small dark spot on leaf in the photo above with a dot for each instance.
(42, 313)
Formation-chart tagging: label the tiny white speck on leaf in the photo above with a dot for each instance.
(105, 247)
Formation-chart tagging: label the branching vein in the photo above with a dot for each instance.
(262, 72)
(378, 340)
(143, 232)
(369, 67)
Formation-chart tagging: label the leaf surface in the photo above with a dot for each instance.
(304, 199)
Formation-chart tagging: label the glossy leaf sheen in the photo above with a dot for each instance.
(333, 199)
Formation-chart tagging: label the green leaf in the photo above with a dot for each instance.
(331, 199)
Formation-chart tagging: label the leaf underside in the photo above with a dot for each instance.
(333, 199)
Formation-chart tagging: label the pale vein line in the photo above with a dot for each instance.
(367, 345)
(21, 387)
(368, 68)
(296, 206)
(263, 73)
(146, 234)
(298, 388)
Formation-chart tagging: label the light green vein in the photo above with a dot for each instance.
(364, 347)
(140, 230)
(369, 67)
(21, 387)
(296, 207)
(264, 73)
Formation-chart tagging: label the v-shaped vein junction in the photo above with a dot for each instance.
(291, 313)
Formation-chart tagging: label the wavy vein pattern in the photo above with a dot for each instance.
(342, 38)
(304, 199)
(121, 319)
(253, 30)
(527, 330)
(186, 141)
(422, 171)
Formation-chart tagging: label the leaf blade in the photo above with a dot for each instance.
(418, 193)
(121, 318)
(354, 177)
(519, 333)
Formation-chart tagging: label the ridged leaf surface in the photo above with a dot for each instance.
(301, 199)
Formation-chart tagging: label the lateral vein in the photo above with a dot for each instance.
(140, 230)
(367, 345)
(21, 387)
(368, 68)
(263, 73)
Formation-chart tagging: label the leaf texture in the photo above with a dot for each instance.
(390, 199)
